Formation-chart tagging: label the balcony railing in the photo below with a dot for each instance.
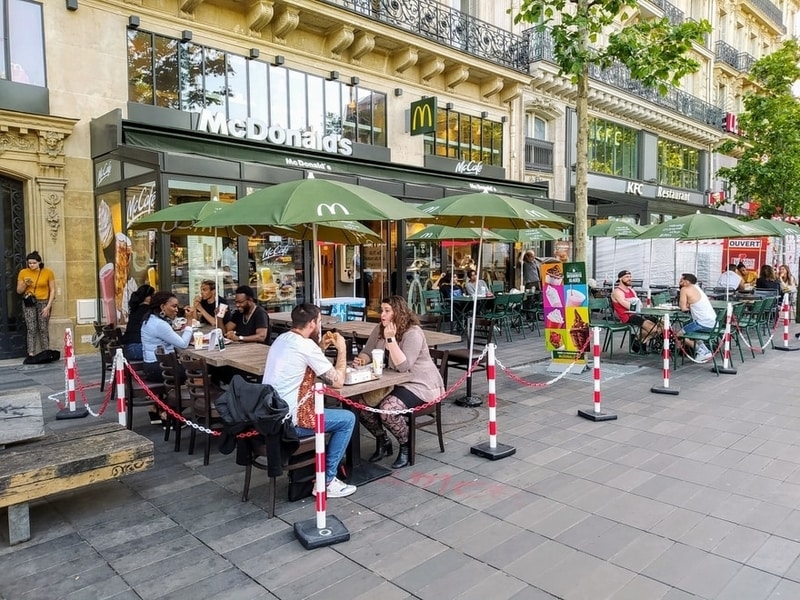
(772, 12)
(672, 12)
(745, 61)
(538, 155)
(726, 53)
(446, 26)
(540, 48)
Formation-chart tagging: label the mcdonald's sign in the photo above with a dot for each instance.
(423, 116)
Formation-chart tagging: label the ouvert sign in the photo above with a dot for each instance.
(259, 131)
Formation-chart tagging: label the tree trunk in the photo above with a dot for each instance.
(582, 150)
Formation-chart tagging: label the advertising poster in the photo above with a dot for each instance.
(750, 251)
(566, 310)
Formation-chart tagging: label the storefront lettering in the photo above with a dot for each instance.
(306, 164)
(258, 131)
(483, 188)
(104, 172)
(276, 251)
(142, 203)
(469, 167)
(634, 187)
(744, 243)
(331, 208)
(672, 194)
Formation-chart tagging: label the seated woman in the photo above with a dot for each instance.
(138, 309)
(158, 330)
(767, 280)
(399, 334)
(445, 285)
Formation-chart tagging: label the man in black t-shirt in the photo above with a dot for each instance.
(206, 304)
(249, 322)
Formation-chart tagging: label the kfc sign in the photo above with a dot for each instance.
(716, 198)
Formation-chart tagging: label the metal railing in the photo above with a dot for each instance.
(538, 155)
(772, 12)
(446, 26)
(745, 61)
(726, 53)
(540, 48)
(672, 12)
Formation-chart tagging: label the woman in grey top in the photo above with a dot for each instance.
(402, 339)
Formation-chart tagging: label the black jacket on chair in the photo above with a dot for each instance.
(245, 406)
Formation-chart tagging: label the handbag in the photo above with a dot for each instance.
(29, 299)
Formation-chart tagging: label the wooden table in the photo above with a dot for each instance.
(364, 329)
(247, 357)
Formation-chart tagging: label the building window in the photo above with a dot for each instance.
(535, 127)
(463, 137)
(613, 149)
(22, 46)
(678, 165)
(166, 72)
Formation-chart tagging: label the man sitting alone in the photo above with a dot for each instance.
(694, 300)
(624, 300)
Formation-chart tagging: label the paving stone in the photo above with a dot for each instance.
(749, 584)
(776, 555)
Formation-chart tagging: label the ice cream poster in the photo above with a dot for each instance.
(566, 314)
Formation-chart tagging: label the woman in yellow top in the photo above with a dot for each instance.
(38, 285)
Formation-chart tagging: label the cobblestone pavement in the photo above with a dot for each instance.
(695, 495)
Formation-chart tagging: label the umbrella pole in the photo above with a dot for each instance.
(216, 278)
(318, 274)
(469, 399)
(452, 282)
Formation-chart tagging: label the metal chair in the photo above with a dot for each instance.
(106, 336)
(202, 395)
(432, 414)
(356, 313)
(600, 315)
(176, 396)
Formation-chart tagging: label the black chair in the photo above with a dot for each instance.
(432, 415)
(176, 396)
(137, 394)
(106, 336)
(202, 395)
(460, 358)
(356, 313)
(430, 322)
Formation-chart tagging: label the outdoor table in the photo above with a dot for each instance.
(360, 472)
(247, 357)
(462, 310)
(659, 312)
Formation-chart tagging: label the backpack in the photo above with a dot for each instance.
(44, 357)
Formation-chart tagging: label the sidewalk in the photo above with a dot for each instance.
(688, 496)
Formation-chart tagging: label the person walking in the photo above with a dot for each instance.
(37, 285)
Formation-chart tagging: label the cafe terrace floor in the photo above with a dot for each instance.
(688, 496)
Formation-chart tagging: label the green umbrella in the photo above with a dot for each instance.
(615, 229)
(527, 236)
(774, 228)
(351, 233)
(179, 218)
(310, 202)
(700, 226)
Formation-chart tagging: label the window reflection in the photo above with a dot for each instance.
(259, 98)
(236, 89)
(297, 107)
(23, 38)
(465, 137)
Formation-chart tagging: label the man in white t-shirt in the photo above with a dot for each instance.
(230, 260)
(285, 369)
(730, 279)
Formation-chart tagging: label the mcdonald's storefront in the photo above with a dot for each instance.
(158, 157)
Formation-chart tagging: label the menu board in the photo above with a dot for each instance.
(565, 294)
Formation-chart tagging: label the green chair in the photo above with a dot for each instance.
(499, 314)
(601, 315)
(432, 303)
(497, 287)
(709, 338)
(749, 322)
(516, 320)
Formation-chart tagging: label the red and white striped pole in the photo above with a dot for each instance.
(319, 446)
(119, 377)
(785, 310)
(69, 353)
(596, 414)
(727, 367)
(492, 449)
(665, 355)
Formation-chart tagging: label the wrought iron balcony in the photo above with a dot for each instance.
(772, 12)
(672, 12)
(745, 61)
(538, 155)
(726, 53)
(446, 26)
(540, 48)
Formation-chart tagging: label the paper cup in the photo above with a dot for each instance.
(377, 362)
(575, 298)
(198, 340)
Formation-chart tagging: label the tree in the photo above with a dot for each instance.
(769, 142)
(654, 51)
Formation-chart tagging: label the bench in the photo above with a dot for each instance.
(66, 460)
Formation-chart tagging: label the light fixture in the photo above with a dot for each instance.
(133, 22)
(254, 53)
(354, 81)
(504, 119)
(186, 35)
(448, 106)
(278, 60)
(334, 75)
(398, 92)
(72, 4)
(485, 114)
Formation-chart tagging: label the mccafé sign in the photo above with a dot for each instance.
(423, 116)
(258, 131)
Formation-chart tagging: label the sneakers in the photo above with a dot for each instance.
(702, 352)
(338, 489)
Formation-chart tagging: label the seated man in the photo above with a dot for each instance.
(624, 300)
(207, 303)
(730, 279)
(475, 286)
(249, 322)
(694, 300)
(294, 358)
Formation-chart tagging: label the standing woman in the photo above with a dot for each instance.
(399, 334)
(37, 285)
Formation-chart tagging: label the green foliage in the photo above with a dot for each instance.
(769, 146)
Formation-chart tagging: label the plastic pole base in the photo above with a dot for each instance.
(660, 389)
(499, 451)
(469, 401)
(731, 370)
(787, 348)
(593, 416)
(334, 533)
(66, 413)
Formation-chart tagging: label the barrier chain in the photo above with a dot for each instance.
(536, 384)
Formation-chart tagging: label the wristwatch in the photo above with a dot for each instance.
(389, 340)
(241, 338)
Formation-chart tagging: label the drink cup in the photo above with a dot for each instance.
(575, 298)
(178, 324)
(198, 340)
(109, 304)
(377, 362)
(221, 310)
